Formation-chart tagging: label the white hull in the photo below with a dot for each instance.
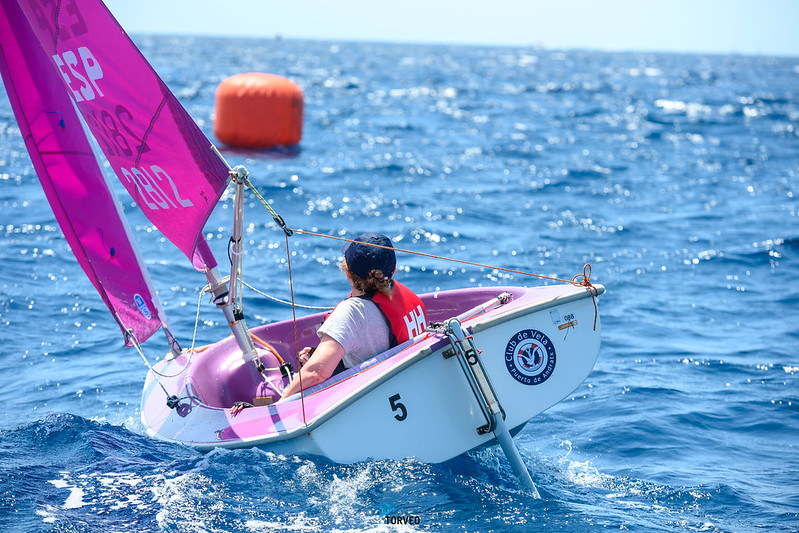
(415, 404)
(442, 413)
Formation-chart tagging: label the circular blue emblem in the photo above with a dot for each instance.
(530, 357)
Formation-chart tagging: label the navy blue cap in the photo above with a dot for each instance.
(363, 258)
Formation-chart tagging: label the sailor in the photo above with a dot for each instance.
(378, 314)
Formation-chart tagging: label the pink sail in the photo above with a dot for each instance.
(84, 206)
(155, 148)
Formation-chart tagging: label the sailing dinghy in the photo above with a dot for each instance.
(489, 360)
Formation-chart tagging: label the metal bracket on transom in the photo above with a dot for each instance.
(468, 357)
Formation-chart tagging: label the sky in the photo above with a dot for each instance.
(765, 27)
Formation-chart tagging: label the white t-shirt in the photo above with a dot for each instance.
(359, 326)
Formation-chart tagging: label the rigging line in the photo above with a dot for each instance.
(57, 26)
(462, 261)
(275, 216)
(193, 340)
(580, 280)
(143, 148)
(284, 302)
(130, 335)
(296, 338)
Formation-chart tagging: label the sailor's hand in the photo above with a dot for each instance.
(238, 407)
(304, 355)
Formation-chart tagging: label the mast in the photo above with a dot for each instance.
(226, 292)
(233, 315)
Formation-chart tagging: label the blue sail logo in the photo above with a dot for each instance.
(142, 305)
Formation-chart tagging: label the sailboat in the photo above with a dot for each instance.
(487, 361)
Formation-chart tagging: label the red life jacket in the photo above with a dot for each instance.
(404, 312)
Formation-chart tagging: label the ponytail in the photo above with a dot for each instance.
(375, 282)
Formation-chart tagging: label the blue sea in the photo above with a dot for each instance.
(676, 177)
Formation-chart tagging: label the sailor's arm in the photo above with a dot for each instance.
(319, 367)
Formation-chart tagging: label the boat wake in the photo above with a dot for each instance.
(95, 474)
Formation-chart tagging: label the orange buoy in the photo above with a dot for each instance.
(258, 110)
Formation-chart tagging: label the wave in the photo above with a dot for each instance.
(67, 440)
(130, 483)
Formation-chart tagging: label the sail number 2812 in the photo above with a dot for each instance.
(155, 188)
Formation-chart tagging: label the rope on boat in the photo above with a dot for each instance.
(191, 351)
(294, 321)
(171, 400)
(579, 280)
(286, 302)
(284, 367)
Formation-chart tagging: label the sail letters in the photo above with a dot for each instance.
(149, 189)
(85, 71)
(47, 12)
(158, 152)
(42, 90)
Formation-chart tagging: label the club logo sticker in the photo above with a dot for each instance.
(530, 357)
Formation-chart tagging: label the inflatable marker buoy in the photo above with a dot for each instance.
(257, 110)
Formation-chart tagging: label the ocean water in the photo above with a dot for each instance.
(675, 176)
